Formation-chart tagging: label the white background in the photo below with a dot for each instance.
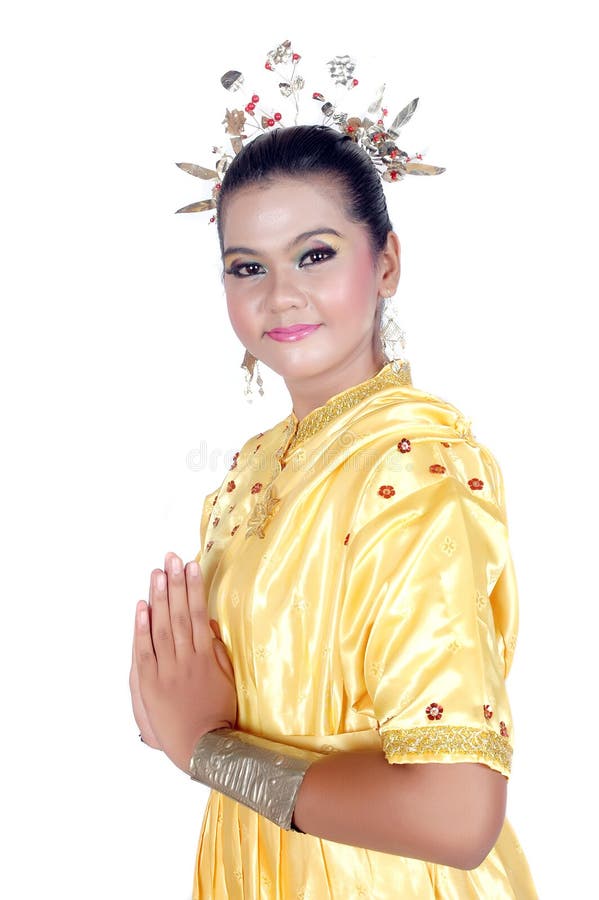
(119, 364)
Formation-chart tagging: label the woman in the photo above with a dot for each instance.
(356, 572)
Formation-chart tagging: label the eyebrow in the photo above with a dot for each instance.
(301, 237)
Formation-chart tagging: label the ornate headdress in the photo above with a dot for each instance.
(370, 131)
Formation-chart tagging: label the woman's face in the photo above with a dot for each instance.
(291, 257)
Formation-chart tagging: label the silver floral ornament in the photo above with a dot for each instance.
(287, 89)
(342, 70)
(281, 54)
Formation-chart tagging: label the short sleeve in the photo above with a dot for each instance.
(433, 604)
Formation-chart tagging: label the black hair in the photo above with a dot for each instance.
(304, 150)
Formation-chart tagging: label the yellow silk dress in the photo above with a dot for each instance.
(357, 562)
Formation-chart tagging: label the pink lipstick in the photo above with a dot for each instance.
(294, 333)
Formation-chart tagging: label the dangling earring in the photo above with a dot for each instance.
(250, 364)
(392, 337)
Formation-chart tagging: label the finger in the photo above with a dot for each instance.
(216, 628)
(143, 649)
(178, 607)
(135, 627)
(198, 608)
(160, 624)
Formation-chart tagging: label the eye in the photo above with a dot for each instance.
(236, 269)
(318, 255)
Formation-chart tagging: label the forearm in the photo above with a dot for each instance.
(445, 813)
(427, 811)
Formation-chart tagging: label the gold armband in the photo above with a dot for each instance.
(264, 775)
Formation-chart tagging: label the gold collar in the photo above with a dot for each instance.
(345, 400)
(298, 430)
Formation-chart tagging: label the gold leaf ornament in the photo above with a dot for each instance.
(355, 122)
(199, 206)
(198, 171)
(234, 120)
(418, 168)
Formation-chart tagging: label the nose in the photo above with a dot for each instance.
(283, 291)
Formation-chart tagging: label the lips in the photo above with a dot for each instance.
(292, 328)
(293, 332)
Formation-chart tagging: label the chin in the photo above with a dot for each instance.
(298, 366)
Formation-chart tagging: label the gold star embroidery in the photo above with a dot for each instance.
(448, 546)
(481, 600)
(300, 603)
(262, 513)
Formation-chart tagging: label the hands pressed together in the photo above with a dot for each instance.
(181, 680)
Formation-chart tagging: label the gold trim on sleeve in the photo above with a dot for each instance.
(429, 742)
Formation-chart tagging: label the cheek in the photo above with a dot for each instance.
(239, 313)
(355, 284)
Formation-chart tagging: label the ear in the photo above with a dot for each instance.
(390, 265)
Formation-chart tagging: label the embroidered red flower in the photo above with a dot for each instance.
(434, 711)
(209, 545)
(347, 537)
(446, 443)
(503, 729)
(476, 484)
(487, 711)
(436, 468)
(256, 488)
(386, 491)
(234, 530)
(404, 446)
(230, 486)
(234, 463)
(216, 520)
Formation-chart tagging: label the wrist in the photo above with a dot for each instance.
(262, 774)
